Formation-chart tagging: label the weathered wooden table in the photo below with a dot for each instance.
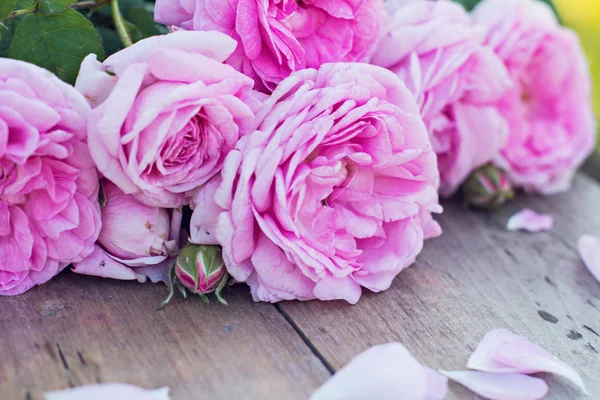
(77, 330)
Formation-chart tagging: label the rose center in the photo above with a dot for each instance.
(185, 144)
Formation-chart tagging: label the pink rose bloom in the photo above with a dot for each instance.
(551, 122)
(277, 37)
(333, 191)
(434, 48)
(167, 112)
(136, 241)
(49, 211)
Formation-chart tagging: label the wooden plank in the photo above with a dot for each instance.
(474, 278)
(78, 330)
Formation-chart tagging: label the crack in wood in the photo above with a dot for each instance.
(63, 360)
(511, 255)
(305, 339)
(592, 348)
(588, 301)
(81, 359)
(591, 330)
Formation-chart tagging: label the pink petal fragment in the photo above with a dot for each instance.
(500, 386)
(589, 250)
(384, 372)
(530, 221)
(502, 351)
(106, 391)
(101, 264)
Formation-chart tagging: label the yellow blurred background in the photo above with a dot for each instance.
(584, 17)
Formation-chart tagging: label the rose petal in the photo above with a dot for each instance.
(99, 263)
(530, 221)
(500, 386)
(157, 273)
(202, 224)
(109, 391)
(505, 352)
(384, 372)
(589, 250)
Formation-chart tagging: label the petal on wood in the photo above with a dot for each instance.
(105, 391)
(531, 221)
(496, 386)
(384, 372)
(589, 251)
(502, 351)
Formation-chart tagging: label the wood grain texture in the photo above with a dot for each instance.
(78, 330)
(474, 278)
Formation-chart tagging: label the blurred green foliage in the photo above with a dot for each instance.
(584, 17)
(58, 34)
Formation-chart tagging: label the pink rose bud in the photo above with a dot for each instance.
(132, 229)
(136, 242)
(199, 269)
(488, 187)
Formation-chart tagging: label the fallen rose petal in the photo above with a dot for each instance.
(500, 386)
(589, 250)
(116, 391)
(99, 263)
(437, 385)
(502, 351)
(157, 273)
(530, 221)
(387, 371)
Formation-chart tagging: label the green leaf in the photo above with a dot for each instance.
(133, 31)
(204, 298)
(6, 6)
(8, 30)
(47, 7)
(468, 4)
(56, 42)
(172, 284)
(110, 39)
(222, 284)
(144, 21)
(27, 4)
(124, 5)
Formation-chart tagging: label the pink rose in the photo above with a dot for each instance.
(167, 111)
(136, 240)
(438, 53)
(551, 122)
(277, 37)
(333, 191)
(49, 211)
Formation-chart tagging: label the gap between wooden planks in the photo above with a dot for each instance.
(477, 276)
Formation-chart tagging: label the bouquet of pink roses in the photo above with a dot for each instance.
(297, 146)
